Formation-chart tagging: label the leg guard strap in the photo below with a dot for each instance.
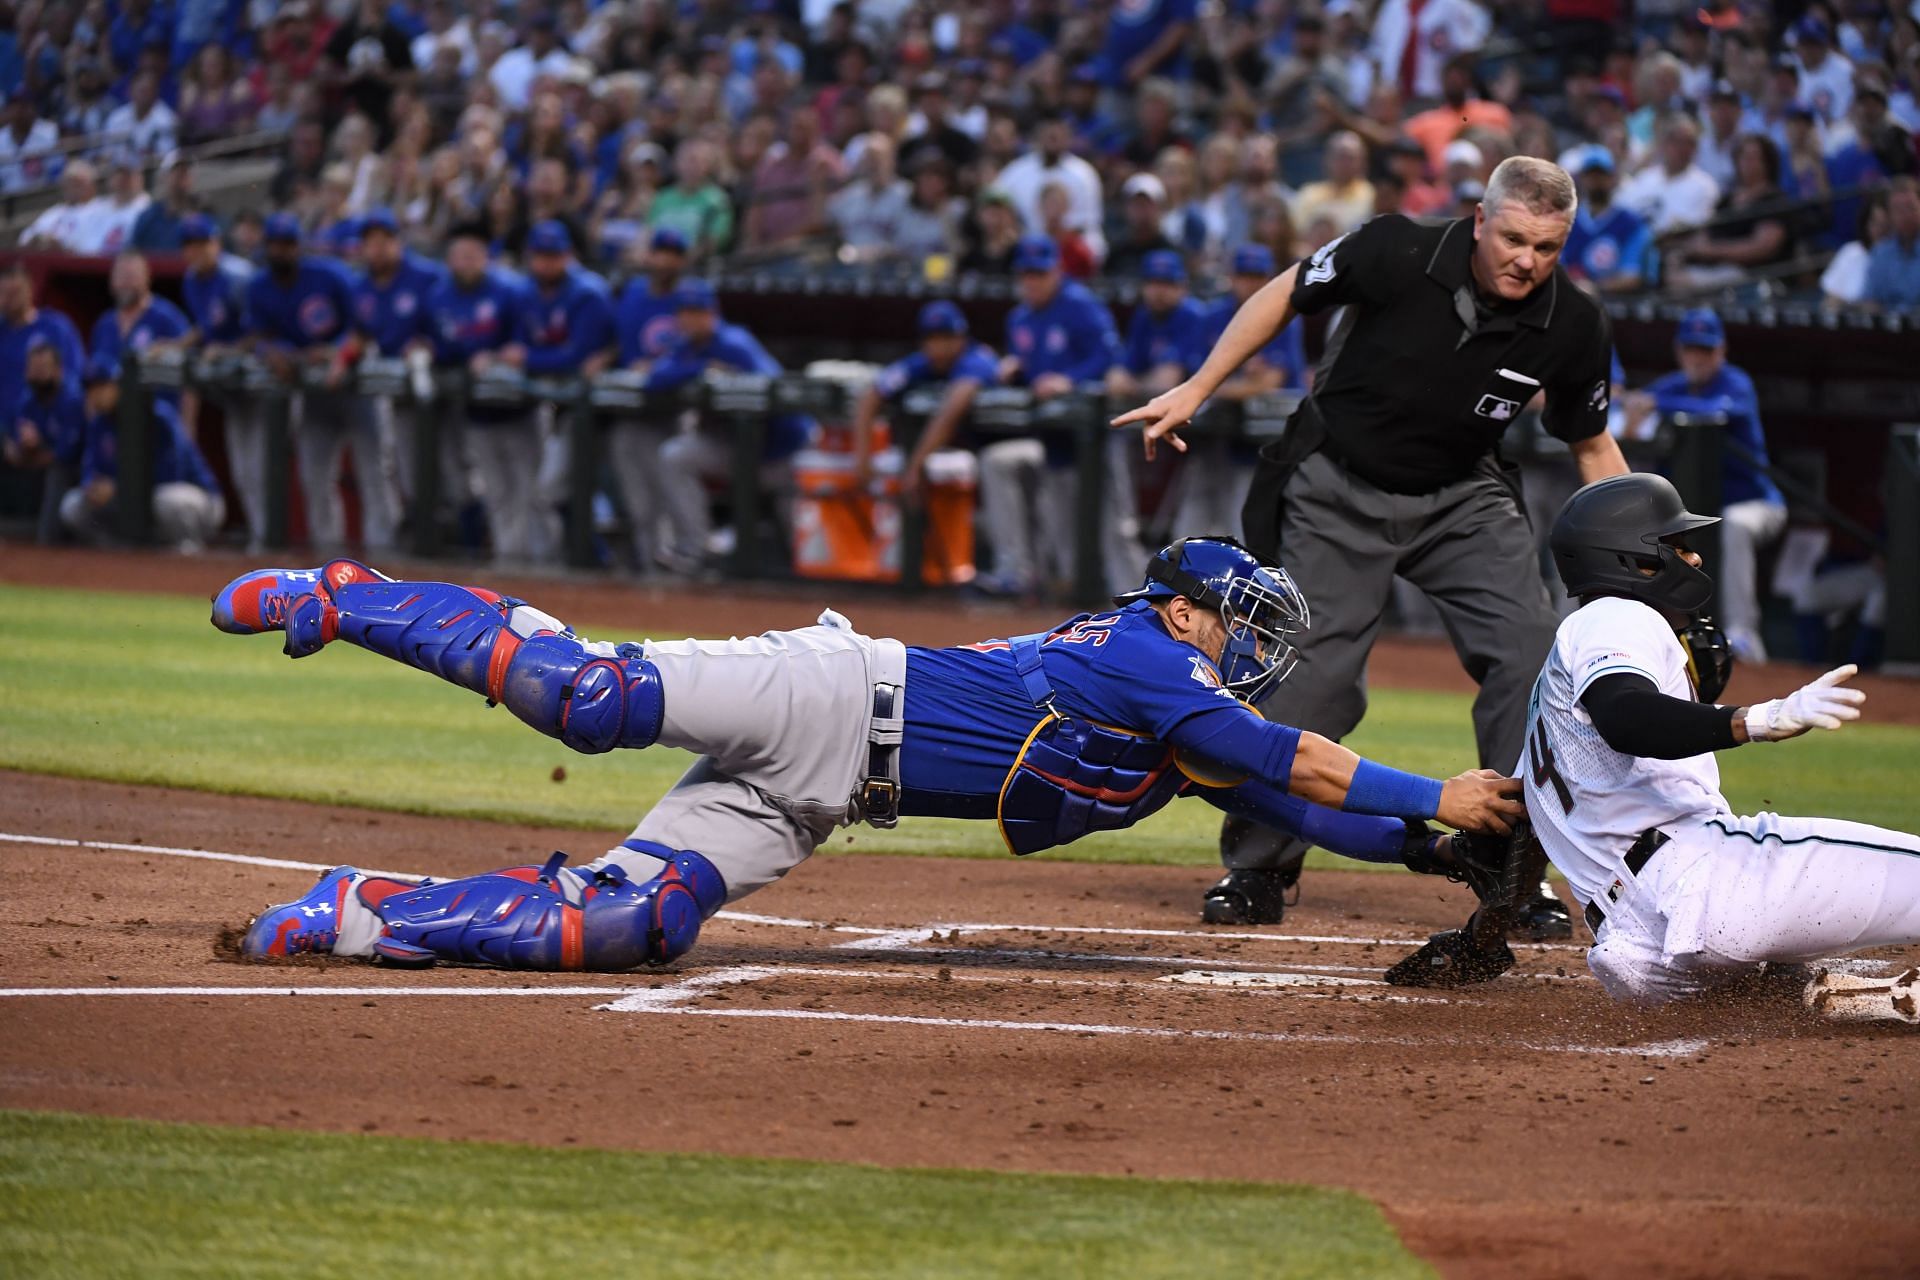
(519, 917)
(592, 702)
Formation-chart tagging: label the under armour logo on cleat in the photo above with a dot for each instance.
(324, 909)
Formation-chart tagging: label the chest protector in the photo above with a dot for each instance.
(1074, 776)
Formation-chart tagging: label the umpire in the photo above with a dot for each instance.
(1446, 331)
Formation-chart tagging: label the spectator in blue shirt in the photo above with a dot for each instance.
(1608, 243)
(1893, 267)
(46, 426)
(389, 312)
(1146, 38)
(300, 315)
(159, 226)
(949, 357)
(1060, 338)
(1754, 514)
(1216, 471)
(188, 508)
(689, 462)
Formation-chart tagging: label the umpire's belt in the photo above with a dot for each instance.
(879, 794)
(1637, 857)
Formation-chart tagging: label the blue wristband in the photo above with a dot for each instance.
(1391, 793)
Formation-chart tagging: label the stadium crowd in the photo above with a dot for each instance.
(543, 187)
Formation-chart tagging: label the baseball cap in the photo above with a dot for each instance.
(1723, 91)
(1085, 73)
(1700, 327)
(380, 219)
(1811, 30)
(996, 195)
(1590, 157)
(668, 240)
(1610, 93)
(103, 366)
(1460, 151)
(1469, 191)
(695, 295)
(197, 226)
(1145, 184)
(549, 236)
(1800, 111)
(282, 226)
(1036, 253)
(941, 316)
(1253, 260)
(1163, 265)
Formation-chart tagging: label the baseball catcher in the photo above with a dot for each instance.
(1090, 726)
(1623, 791)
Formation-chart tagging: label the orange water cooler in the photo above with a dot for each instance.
(855, 536)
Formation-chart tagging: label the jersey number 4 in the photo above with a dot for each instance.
(1546, 769)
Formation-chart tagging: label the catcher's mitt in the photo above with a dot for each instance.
(1456, 958)
(1486, 864)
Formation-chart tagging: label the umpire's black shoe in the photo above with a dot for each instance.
(1545, 919)
(1250, 896)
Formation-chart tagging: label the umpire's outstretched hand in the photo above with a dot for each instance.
(1481, 800)
(1164, 415)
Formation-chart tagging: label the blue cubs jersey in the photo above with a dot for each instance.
(1072, 335)
(16, 338)
(1287, 351)
(1612, 244)
(462, 321)
(970, 717)
(976, 363)
(564, 325)
(1132, 28)
(733, 349)
(643, 322)
(61, 420)
(176, 459)
(1173, 337)
(316, 307)
(160, 322)
(1730, 391)
(394, 314)
(216, 300)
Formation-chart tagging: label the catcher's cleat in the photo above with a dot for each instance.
(1545, 919)
(263, 599)
(1250, 895)
(1847, 997)
(307, 924)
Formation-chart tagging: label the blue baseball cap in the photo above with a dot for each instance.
(1036, 253)
(1700, 327)
(104, 366)
(282, 226)
(1590, 157)
(197, 226)
(1811, 29)
(1253, 260)
(695, 295)
(669, 240)
(941, 316)
(549, 236)
(380, 219)
(1163, 265)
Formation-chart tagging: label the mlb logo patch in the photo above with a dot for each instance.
(1497, 408)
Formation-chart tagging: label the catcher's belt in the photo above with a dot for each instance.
(879, 794)
(1638, 856)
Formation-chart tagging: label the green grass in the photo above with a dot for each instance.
(82, 1196)
(138, 688)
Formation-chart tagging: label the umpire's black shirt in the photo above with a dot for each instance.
(1421, 376)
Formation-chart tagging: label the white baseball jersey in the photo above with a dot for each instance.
(1588, 802)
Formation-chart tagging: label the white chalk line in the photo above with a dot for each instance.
(342, 992)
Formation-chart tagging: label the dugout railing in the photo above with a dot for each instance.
(1690, 448)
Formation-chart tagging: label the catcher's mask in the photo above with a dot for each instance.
(1258, 604)
(1619, 536)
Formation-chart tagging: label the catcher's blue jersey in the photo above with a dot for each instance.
(969, 716)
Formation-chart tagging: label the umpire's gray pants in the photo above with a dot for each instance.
(782, 723)
(1468, 546)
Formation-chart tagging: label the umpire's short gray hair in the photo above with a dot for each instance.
(1541, 187)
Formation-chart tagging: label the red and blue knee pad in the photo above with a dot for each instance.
(533, 917)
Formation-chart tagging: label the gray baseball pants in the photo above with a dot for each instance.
(1468, 546)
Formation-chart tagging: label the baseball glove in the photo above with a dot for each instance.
(1501, 871)
(1482, 863)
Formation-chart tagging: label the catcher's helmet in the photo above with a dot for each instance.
(1258, 603)
(1613, 531)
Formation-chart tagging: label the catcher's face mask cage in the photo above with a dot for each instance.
(1259, 607)
(1260, 611)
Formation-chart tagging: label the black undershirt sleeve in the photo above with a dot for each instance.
(1636, 719)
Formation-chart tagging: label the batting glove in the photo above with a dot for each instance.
(1820, 705)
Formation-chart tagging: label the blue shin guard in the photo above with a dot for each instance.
(591, 701)
(532, 917)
